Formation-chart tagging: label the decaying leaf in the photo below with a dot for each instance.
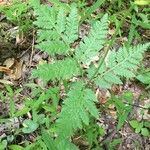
(4, 2)
(13, 68)
(5, 70)
(9, 62)
(17, 70)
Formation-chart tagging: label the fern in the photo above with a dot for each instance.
(91, 44)
(57, 144)
(79, 102)
(65, 69)
(72, 26)
(122, 63)
(57, 31)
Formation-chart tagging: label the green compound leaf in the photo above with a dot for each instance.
(144, 77)
(122, 63)
(63, 69)
(91, 44)
(76, 109)
(56, 30)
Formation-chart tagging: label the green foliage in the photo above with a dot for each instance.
(65, 106)
(123, 105)
(122, 63)
(93, 8)
(74, 112)
(92, 132)
(91, 44)
(58, 30)
(142, 2)
(3, 144)
(57, 144)
(112, 145)
(17, 13)
(144, 77)
(58, 70)
(142, 19)
(9, 98)
(140, 127)
(29, 126)
(16, 147)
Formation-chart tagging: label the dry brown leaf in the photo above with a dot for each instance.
(6, 82)
(17, 71)
(4, 2)
(111, 31)
(9, 62)
(112, 111)
(5, 70)
(102, 95)
(13, 68)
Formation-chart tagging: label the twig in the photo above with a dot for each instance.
(24, 52)
(135, 105)
(32, 48)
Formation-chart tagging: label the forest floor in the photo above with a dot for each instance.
(18, 57)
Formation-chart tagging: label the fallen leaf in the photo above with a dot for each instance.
(6, 82)
(4, 2)
(19, 37)
(102, 95)
(6, 70)
(17, 70)
(9, 62)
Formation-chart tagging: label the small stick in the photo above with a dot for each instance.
(32, 48)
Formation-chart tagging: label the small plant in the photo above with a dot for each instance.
(112, 145)
(141, 127)
(57, 32)
(144, 77)
(123, 105)
(62, 109)
(18, 13)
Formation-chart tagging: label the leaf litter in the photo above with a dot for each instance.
(18, 71)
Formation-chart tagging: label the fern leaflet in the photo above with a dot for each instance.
(122, 63)
(72, 26)
(56, 30)
(74, 113)
(62, 69)
(91, 44)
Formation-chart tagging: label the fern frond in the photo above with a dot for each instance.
(51, 47)
(91, 44)
(72, 26)
(61, 21)
(62, 69)
(65, 144)
(77, 106)
(122, 63)
(56, 30)
(46, 17)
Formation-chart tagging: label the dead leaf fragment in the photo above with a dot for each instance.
(9, 62)
(4, 2)
(13, 68)
(17, 70)
(5, 70)
(102, 95)
(6, 82)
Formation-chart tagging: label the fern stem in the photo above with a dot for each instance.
(110, 44)
(102, 61)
